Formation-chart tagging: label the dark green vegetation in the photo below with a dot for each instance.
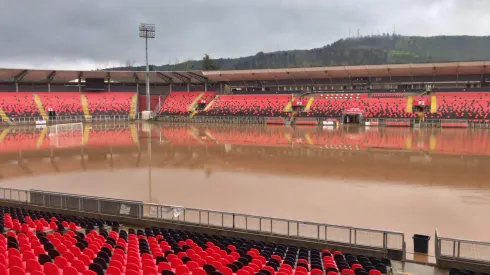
(370, 50)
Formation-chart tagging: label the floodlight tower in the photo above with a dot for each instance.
(147, 31)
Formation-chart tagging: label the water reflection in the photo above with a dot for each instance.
(409, 180)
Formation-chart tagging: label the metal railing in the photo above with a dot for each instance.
(462, 250)
(213, 119)
(352, 236)
(365, 238)
(65, 119)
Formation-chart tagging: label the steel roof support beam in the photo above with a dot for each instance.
(199, 78)
(80, 75)
(165, 78)
(182, 77)
(21, 75)
(18, 78)
(49, 79)
(136, 78)
(51, 76)
(108, 77)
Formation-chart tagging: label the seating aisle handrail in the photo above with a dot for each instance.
(352, 236)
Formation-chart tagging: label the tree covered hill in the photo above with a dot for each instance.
(369, 50)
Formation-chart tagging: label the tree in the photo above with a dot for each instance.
(208, 63)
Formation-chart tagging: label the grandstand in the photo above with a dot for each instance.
(411, 93)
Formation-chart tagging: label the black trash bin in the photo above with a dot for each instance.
(421, 243)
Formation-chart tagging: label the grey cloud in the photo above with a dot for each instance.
(79, 33)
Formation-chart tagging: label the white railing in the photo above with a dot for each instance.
(462, 250)
(351, 236)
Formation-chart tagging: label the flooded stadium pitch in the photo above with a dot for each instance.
(401, 179)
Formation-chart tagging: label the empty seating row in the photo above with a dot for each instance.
(28, 104)
(184, 103)
(268, 105)
(113, 103)
(461, 108)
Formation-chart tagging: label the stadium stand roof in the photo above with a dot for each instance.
(58, 76)
(421, 69)
(200, 77)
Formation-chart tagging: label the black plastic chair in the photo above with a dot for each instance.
(43, 258)
(208, 268)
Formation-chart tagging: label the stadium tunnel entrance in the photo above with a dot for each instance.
(352, 116)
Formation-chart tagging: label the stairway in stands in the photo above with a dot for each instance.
(84, 101)
(309, 103)
(134, 104)
(433, 104)
(193, 105)
(40, 107)
(409, 108)
(4, 117)
(289, 106)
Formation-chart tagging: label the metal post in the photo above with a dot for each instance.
(147, 76)
(147, 31)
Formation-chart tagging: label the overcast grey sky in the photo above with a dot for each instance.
(86, 34)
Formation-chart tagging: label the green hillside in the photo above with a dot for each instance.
(371, 50)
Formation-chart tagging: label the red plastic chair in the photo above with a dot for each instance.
(332, 273)
(117, 264)
(84, 259)
(226, 270)
(61, 262)
(89, 272)
(37, 272)
(198, 271)
(301, 269)
(16, 270)
(132, 266)
(131, 272)
(316, 271)
(3, 269)
(68, 256)
(32, 265)
(181, 269)
(192, 265)
(176, 262)
(70, 270)
(113, 270)
(149, 270)
(374, 272)
(347, 272)
(78, 265)
(242, 272)
(249, 270)
(216, 264)
(14, 252)
(163, 266)
(15, 261)
(51, 269)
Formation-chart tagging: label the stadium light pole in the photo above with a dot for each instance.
(147, 31)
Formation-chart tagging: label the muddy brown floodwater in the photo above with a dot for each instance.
(406, 180)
